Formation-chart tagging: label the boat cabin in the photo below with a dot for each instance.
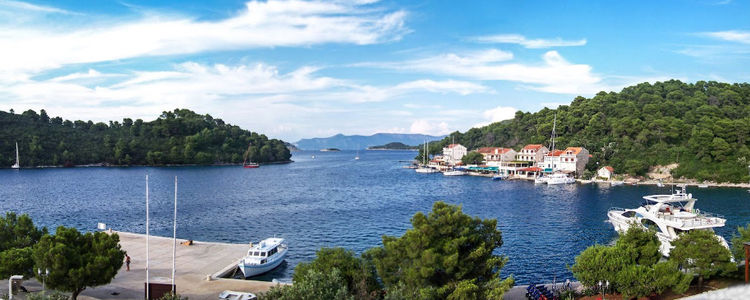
(262, 251)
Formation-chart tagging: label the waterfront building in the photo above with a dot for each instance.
(533, 153)
(570, 160)
(605, 172)
(453, 153)
(494, 155)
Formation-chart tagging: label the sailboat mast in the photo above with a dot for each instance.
(554, 126)
(18, 162)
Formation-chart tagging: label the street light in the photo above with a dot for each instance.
(46, 273)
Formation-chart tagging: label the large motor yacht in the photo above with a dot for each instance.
(670, 215)
(263, 257)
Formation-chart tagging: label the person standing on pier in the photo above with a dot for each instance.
(127, 262)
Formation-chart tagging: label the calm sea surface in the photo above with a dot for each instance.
(335, 201)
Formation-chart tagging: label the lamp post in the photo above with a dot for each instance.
(46, 273)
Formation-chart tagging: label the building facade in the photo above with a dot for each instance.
(532, 153)
(494, 155)
(453, 153)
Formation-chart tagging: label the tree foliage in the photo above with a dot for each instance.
(631, 266)
(447, 254)
(176, 137)
(312, 285)
(76, 260)
(358, 274)
(472, 158)
(701, 253)
(703, 126)
(742, 236)
(17, 235)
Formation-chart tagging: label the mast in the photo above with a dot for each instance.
(147, 283)
(18, 161)
(554, 125)
(174, 236)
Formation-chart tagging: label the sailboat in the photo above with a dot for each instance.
(357, 157)
(17, 165)
(423, 168)
(249, 165)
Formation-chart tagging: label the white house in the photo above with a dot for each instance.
(572, 159)
(453, 153)
(533, 153)
(494, 155)
(606, 172)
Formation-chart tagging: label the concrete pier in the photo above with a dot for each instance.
(194, 265)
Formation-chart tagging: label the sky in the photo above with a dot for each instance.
(296, 69)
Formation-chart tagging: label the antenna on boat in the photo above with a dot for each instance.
(174, 236)
(147, 283)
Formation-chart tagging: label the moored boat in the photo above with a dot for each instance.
(263, 257)
(17, 165)
(560, 178)
(455, 173)
(670, 215)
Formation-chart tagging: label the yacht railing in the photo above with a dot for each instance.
(700, 219)
(616, 208)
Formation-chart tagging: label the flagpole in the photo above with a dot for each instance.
(147, 236)
(174, 235)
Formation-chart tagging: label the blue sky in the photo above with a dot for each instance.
(295, 69)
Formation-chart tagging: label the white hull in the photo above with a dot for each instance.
(426, 170)
(540, 180)
(553, 181)
(250, 270)
(455, 173)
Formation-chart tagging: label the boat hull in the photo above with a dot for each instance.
(250, 270)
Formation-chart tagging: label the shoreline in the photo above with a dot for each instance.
(105, 165)
(687, 183)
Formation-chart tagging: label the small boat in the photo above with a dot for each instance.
(703, 186)
(234, 295)
(455, 173)
(560, 178)
(246, 164)
(357, 157)
(312, 156)
(263, 257)
(425, 170)
(659, 184)
(499, 176)
(616, 182)
(17, 165)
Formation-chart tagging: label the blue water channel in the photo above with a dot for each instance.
(332, 200)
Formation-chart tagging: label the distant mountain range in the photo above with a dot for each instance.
(355, 142)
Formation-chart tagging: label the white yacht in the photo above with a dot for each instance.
(426, 170)
(541, 179)
(669, 215)
(455, 173)
(263, 257)
(560, 178)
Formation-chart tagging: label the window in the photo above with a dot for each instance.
(263, 254)
(256, 253)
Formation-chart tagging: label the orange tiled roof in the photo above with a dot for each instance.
(575, 150)
(532, 147)
(611, 169)
(491, 150)
(556, 153)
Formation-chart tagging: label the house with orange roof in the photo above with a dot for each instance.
(606, 172)
(532, 153)
(497, 154)
(570, 160)
(453, 153)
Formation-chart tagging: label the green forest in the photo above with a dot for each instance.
(703, 126)
(176, 137)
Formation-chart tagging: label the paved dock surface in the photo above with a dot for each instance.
(193, 264)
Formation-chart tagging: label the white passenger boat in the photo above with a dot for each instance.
(560, 178)
(263, 257)
(425, 170)
(540, 180)
(455, 173)
(669, 215)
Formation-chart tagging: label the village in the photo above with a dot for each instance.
(532, 162)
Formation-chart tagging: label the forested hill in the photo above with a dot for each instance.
(705, 127)
(177, 137)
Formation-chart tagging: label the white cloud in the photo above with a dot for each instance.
(429, 127)
(497, 114)
(528, 43)
(23, 6)
(737, 36)
(272, 23)
(553, 75)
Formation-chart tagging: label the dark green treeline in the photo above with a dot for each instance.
(176, 137)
